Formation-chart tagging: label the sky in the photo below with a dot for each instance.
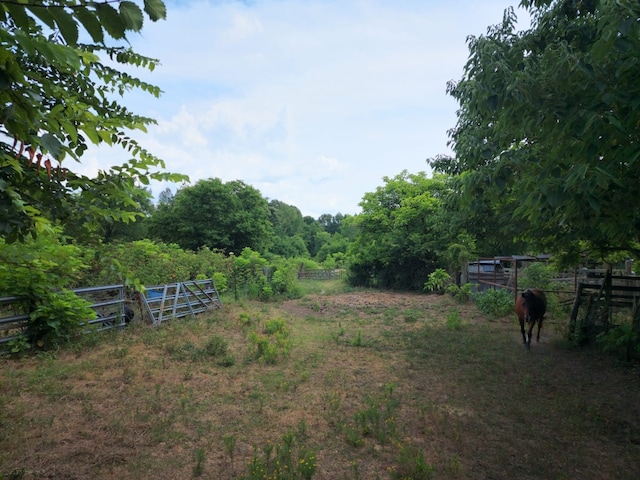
(312, 102)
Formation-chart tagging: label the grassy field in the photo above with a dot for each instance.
(335, 385)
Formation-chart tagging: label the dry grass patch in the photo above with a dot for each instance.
(363, 385)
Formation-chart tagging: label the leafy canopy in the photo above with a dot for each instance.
(59, 84)
(226, 216)
(548, 125)
(399, 232)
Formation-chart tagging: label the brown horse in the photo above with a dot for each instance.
(531, 306)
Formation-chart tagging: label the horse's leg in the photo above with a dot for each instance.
(531, 324)
(539, 327)
(524, 338)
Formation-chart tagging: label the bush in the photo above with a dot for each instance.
(537, 275)
(438, 280)
(495, 303)
(460, 293)
(41, 270)
(622, 341)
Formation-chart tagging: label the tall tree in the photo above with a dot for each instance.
(547, 128)
(227, 216)
(398, 233)
(288, 229)
(58, 96)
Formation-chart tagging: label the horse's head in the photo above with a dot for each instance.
(528, 295)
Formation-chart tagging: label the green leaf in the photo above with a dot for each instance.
(131, 15)
(51, 144)
(111, 21)
(19, 15)
(156, 9)
(66, 25)
(91, 24)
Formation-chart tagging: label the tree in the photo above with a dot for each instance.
(331, 223)
(312, 234)
(58, 96)
(288, 229)
(226, 216)
(547, 128)
(165, 197)
(398, 234)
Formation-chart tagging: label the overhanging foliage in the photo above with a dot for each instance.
(58, 96)
(547, 128)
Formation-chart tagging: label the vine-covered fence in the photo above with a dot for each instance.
(161, 303)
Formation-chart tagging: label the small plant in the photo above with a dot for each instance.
(244, 319)
(290, 461)
(412, 464)
(216, 346)
(274, 326)
(273, 343)
(199, 456)
(19, 344)
(461, 293)
(353, 436)
(438, 280)
(58, 318)
(230, 447)
(454, 320)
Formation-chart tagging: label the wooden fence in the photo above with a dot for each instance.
(320, 274)
(598, 298)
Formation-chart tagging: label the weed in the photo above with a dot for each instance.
(290, 461)
(454, 320)
(216, 346)
(275, 326)
(390, 313)
(359, 341)
(340, 333)
(438, 280)
(268, 348)
(199, 456)
(353, 436)
(230, 447)
(411, 463)
(244, 319)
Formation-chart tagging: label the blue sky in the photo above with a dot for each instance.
(312, 102)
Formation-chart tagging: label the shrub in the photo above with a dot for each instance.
(438, 280)
(622, 341)
(41, 270)
(495, 303)
(537, 275)
(58, 318)
(460, 293)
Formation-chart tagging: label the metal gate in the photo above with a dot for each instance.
(107, 301)
(175, 300)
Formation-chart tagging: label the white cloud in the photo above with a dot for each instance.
(311, 102)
